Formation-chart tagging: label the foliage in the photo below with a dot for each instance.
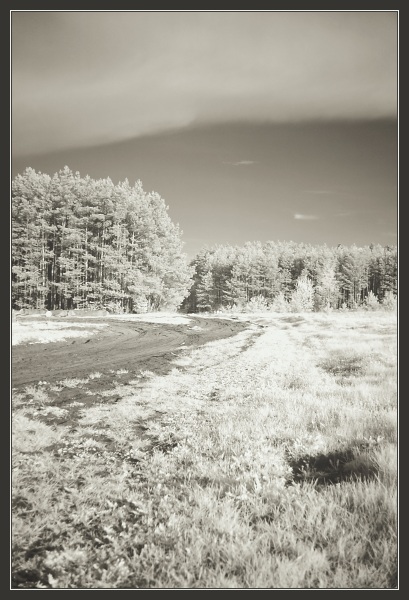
(302, 299)
(257, 304)
(342, 276)
(206, 297)
(280, 304)
(84, 243)
(389, 301)
(372, 301)
(326, 290)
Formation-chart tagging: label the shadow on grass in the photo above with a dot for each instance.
(294, 320)
(334, 467)
(344, 363)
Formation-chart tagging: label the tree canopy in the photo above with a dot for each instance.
(287, 274)
(81, 243)
(84, 243)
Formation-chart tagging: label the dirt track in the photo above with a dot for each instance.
(127, 345)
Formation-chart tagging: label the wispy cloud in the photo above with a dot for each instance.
(305, 217)
(344, 214)
(241, 163)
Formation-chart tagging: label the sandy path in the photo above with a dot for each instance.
(119, 345)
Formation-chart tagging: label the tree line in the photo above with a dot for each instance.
(291, 276)
(84, 243)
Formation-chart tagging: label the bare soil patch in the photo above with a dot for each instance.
(241, 463)
(133, 346)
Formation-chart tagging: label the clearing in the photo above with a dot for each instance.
(254, 451)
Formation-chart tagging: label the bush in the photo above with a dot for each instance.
(280, 304)
(229, 309)
(390, 301)
(302, 299)
(327, 308)
(371, 301)
(140, 305)
(257, 304)
(113, 306)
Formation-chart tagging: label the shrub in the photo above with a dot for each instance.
(371, 301)
(230, 308)
(302, 298)
(326, 291)
(257, 304)
(114, 306)
(390, 301)
(141, 305)
(280, 304)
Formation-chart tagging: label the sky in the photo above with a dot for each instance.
(258, 125)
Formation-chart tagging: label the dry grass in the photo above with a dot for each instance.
(95, 375)
(72, 382)
(34, 331)
(267, 460)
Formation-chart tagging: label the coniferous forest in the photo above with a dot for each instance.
(284, 276)
(84, 243)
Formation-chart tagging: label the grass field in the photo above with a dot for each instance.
(263, 460)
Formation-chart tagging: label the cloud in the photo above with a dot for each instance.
(240, 163)
(344, 214)
(87, 78)
(305, 217)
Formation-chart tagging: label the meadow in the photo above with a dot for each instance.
(267, 459)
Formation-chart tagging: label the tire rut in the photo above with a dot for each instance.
(119, 345)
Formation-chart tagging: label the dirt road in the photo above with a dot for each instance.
(133, 346)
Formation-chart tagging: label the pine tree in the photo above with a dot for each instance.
(79, 242)
(205, 293)
(326, 291)
(302, 298)
(371, 301)
(339, 276)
